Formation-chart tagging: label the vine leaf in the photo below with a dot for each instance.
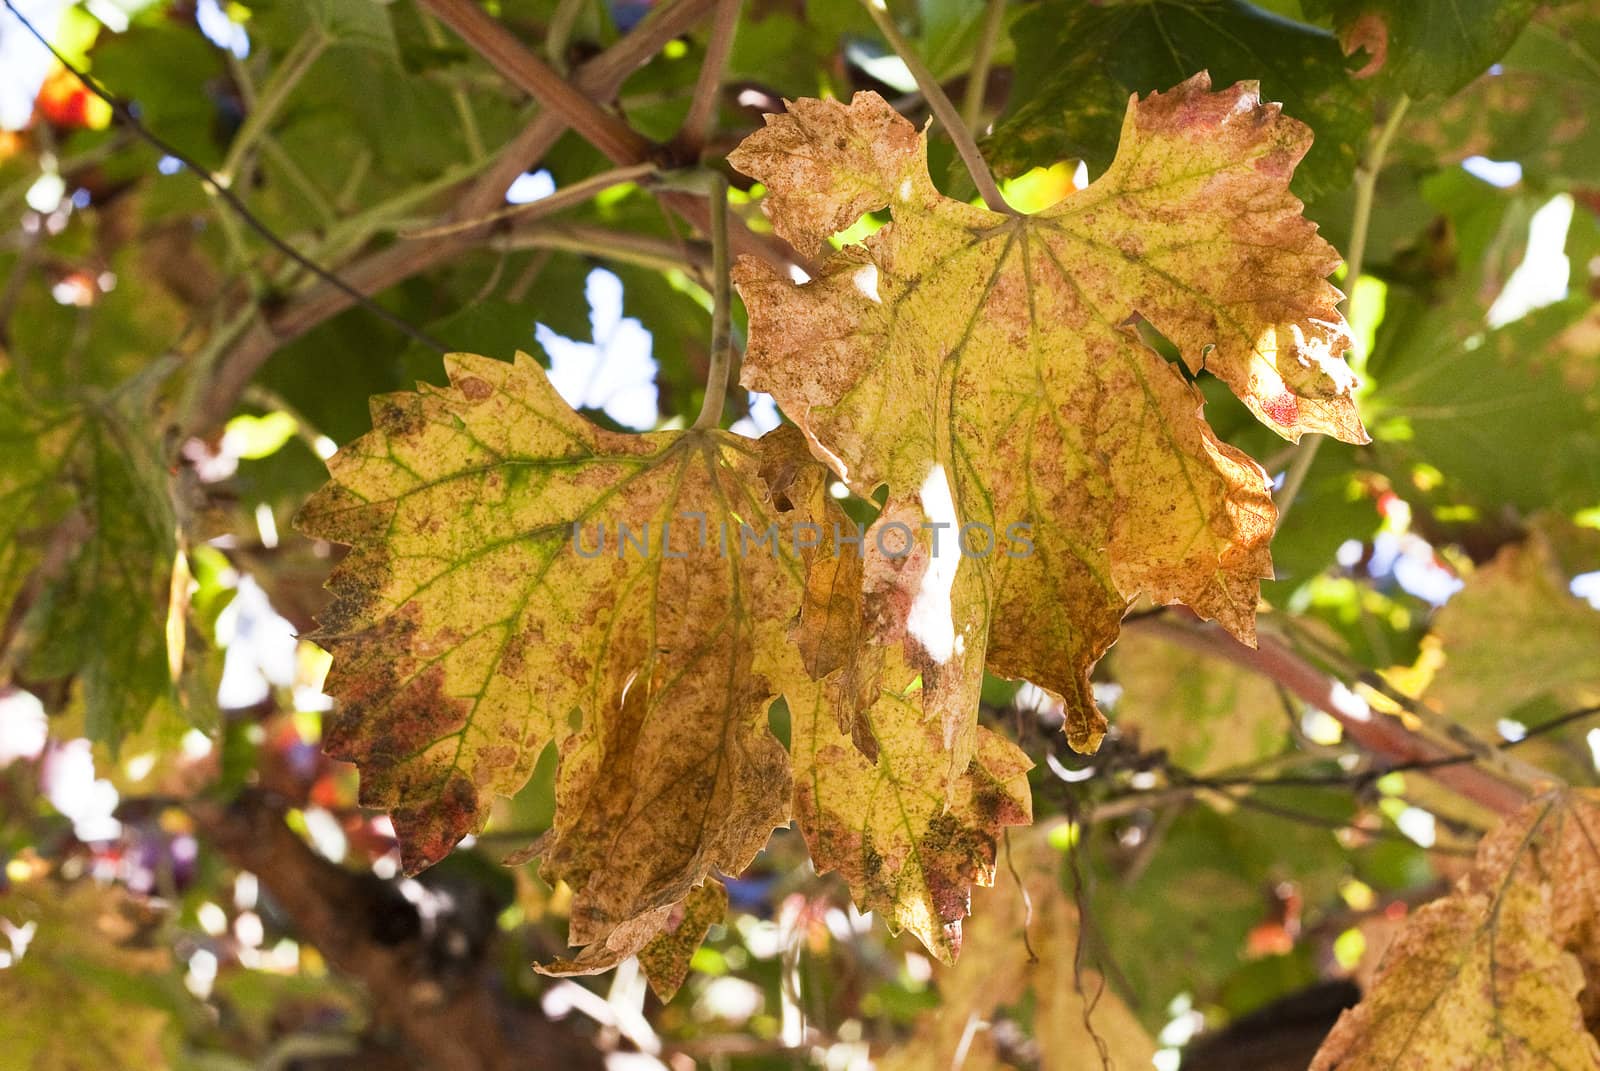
(907, 849)
(1206, 714)
(1489, 975)
(87, 544)
(664, 939)
(665, 960)
(869, 789)
(1426, 47)
(1515, 641)
(1073, 1019)
(984, 367)
(476, 621)
(1078, 60)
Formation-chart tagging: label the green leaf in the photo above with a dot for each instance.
(1077, 62)
(1504, 416)
(1426, 47)
(358, 23)
(1538, 110)
(1198, 891)
(1208, 715)
(97, 531)
(137, 66)
(1516, 643)
(84, 994)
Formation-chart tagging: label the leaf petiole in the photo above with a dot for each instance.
(721, 295)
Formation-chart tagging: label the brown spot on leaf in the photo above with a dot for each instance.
(427, 833)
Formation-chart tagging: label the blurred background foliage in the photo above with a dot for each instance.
(188, 882)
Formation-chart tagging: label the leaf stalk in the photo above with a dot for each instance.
(721, 313)
(943, 109)
(1366, 186)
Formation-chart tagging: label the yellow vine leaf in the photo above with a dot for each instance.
(664, 939)
(1517, 643)
(1206, 714)
(908, 850)
(1067, 1015)
(1490, 975)
(473, 625)
(985, 367)
(665, 960)
(870, 796)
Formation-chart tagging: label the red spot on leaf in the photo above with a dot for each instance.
(1371, 34)
(1284, 409)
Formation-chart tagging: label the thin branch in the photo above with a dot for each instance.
(945, 111)
(566, 197)
(701, 121)
(1339, 664)
(605, 131)
(1373, 730)
(722, 298)
(558, 34)
(1027, 900)
(660, 254)
(598, 79)
(458, 96)
(1355, 778)
(1335, 825)
(508, 56)
(1366, 187)
(219, 189)
(1366, 184)
(994, 21)
(302, 56)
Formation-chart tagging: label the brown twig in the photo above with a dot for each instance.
(1373, 730)
(597, 79)
(600, 128)
(521, 67)
(722, 298)
(564, 198)
(701, 121)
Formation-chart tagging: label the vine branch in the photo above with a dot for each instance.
(600, 128)
(994, 20)
(566, 197)
(701, 121)
(1373, 730)
(599, 77)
